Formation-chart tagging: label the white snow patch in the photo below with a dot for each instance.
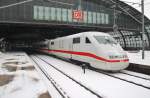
(22, 86)
(106, 86)
(136, 57)
(26, 83)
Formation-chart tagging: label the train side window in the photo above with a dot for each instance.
(52, 43)
(76, 40)
(87, 40)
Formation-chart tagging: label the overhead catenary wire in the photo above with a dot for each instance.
(137, 4)
(133, 3)
(27, 1)
(15, 4)
(126, 12)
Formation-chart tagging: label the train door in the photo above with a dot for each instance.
(65, 46)
(70, 46)
(77, 47)
(49, 45)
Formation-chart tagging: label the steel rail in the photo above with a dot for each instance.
(88, 89)
(51, 80)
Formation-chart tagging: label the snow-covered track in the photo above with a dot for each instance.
(128, 78)
(127, 73)
(133, 79)
(105, 85)
(69, 77)
(53, 82)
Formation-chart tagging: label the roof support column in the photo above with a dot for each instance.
(125, 45)
(148, 38)
(143, 29)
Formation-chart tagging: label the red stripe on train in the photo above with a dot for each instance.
(86, 54)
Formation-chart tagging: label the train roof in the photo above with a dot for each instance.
(95, 33)
(89, 33)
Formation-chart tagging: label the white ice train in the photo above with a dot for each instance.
(98, 49)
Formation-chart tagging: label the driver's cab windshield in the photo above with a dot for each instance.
(105, 40)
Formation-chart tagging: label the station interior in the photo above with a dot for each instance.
(25, 25)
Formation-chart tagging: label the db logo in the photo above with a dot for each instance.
(78, 15)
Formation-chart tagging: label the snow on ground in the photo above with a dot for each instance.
(136, 57)
(136, 74)
(18, 78)
(72, 89)
(104, 85)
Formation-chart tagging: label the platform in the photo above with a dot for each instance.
(18, 77)
(137, 63)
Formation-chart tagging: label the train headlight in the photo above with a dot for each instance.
(110, 57)
(113, 56)
(117, 56)
(125, 56)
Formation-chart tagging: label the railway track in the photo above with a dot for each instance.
(117, 76)
(124, 79)
(123, 72)
(100, 82)
(53, 82)
(35, 58)
(135, 75)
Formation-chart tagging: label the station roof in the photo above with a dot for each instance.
(29, 30)
(123, 7)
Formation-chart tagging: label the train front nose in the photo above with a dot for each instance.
(118, 60)
(115, 58)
